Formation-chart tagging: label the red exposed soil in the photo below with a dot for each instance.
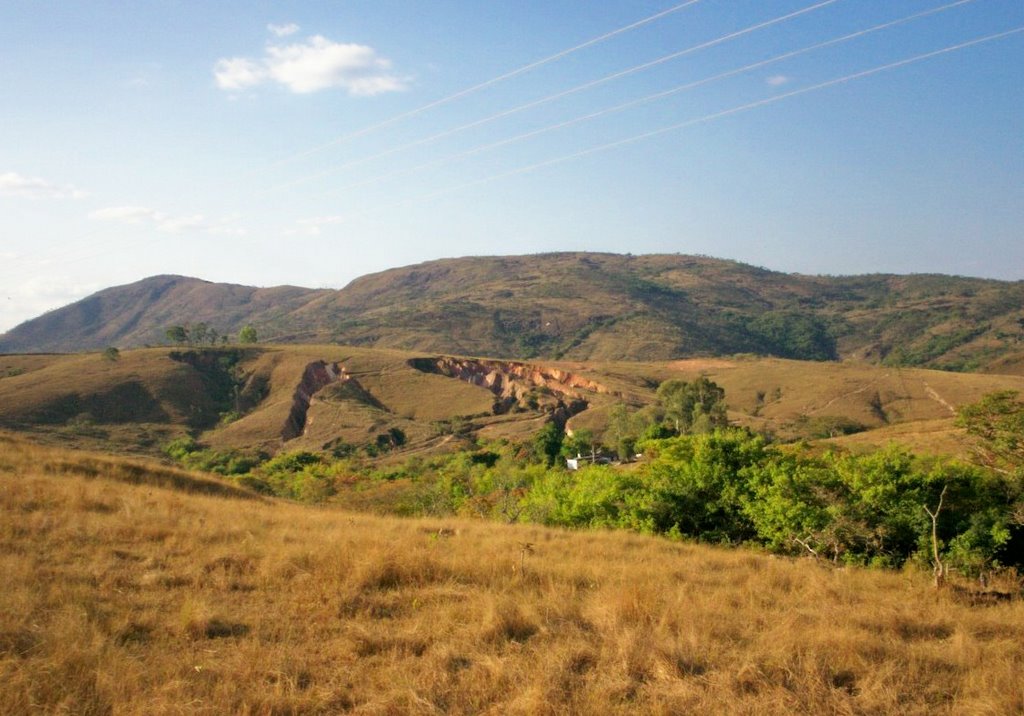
(315, 377)
(511, 379)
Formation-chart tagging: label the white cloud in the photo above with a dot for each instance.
(144, 215)
(238, 73)
(27, 299)
(14, 184)
(165, 223)
(310, 66)
(173, 225)
(283, 30)
(777, 80)
(126, 214)
(227, 230)
(313, 226)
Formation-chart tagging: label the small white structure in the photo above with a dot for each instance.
(575, 463)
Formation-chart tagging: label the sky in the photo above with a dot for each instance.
(314, 141)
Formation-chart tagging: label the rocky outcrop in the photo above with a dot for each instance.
(560, 392)
(317, 376)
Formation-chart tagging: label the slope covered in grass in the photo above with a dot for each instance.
(245, 399)
(140, 599)
(582, 306)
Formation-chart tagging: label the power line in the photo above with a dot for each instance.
(488, 83)
(700, 120)
(475, 88)
(650, 98)
(704, 119)
(565, 93)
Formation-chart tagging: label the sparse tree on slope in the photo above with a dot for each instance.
(178, 334)
(247, 334)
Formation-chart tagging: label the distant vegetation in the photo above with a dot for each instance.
(247, 334)
(719, 441)
(700, 480)
(200, 334)
(577, 306)
(801, 336)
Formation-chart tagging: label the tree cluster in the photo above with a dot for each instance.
(195, 334)
(730, 486)
(682, 408)
(199, 334)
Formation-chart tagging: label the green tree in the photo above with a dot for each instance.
(593, 496)
(199, 332)
(501, 489)
(882, 509)
(177, 334)
(795, 505)
(111, 353)
(624, 428)
(581, 442)
(697, 406)
(697, 485)
(247, 334)
(997, 420)
(547, 443)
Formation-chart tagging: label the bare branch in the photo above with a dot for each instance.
(939, 568)
(806, 546)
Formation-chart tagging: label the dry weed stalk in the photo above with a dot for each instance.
(525, 548)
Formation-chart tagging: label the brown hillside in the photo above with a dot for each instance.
(323, 397)
(579, 306)
(138, 314)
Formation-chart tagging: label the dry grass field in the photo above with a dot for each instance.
(134, 589)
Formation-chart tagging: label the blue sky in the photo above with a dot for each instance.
(311, 142)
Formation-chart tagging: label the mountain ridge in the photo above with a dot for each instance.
(576, 305)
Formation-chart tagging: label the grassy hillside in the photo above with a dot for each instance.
(579, 306)
(813, 400)
(246, 399)
(137, 598)
(261, 399)
(137, 402)
(138, 314)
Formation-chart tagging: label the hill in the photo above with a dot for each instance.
(139, 313)
(579, 306)
(156, 598)
(335, 398)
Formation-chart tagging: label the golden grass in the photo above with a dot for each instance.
(878, 397)
(140, 402)
(929, 437)
(130, 598)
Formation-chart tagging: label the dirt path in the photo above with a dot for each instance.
(931, 393)
(863, 388)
